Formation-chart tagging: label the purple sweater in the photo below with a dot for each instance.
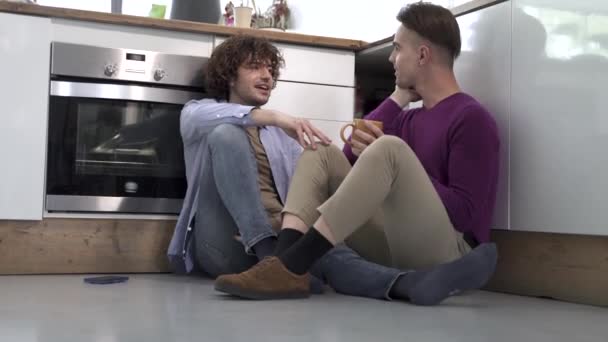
(457, 143)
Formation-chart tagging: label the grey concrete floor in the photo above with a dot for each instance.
(170, 308)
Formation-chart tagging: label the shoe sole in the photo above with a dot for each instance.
(235, 291)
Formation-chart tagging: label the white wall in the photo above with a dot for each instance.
(90, 5)
(361, 20)
(130, 7)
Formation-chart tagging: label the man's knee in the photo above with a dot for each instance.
(388, 145)
(228, 135)
(330, 152)
(389, 142)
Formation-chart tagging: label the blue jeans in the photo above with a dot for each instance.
(348, 273)
(230, 204)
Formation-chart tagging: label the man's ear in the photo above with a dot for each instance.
(424, 55)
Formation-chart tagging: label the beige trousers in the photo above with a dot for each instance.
(385, 207)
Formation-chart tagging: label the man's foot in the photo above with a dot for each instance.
(431, 287)
(317, 286)
(269, 279)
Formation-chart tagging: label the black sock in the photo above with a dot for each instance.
(300, 257)
(287, 237)
(265, 247)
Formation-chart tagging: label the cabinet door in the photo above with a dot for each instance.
(318, 65)
(328, 107)
(484, 71)
(331, 129)
(25, 54)
(315, 65)
(313, 101)
(559, 124)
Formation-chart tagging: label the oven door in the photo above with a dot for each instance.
(115, 148)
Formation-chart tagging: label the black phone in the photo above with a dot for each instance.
(106, 279)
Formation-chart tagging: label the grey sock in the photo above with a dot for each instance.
(431, 287)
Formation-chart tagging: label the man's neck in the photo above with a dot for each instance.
(437, 88)
(237, 100)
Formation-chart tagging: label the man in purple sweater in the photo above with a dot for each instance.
(427, 184)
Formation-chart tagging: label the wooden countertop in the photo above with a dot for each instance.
(177, 25)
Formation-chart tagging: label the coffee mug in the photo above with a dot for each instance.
(359, 124)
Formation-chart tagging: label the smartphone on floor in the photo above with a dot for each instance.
(106, 279)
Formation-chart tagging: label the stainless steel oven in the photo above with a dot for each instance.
(114, 141)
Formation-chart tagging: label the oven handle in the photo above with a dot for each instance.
(122, 92)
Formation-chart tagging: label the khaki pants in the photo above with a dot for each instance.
(385, 205)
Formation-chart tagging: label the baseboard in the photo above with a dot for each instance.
(572, 268)
(58, 246)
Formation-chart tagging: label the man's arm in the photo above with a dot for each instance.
(472, 168)
(200, 117)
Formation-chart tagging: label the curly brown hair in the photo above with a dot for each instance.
(227, 57)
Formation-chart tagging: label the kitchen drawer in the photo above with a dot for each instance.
(313, 101)
(331, 129)
(315, 65)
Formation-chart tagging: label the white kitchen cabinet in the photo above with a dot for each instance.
(328, 107)
(315, 65)
(137, 38)
(313, 101)
(332, 130)
(318, 65)
(484, 71)
(559, 123)
(325, 95)
(25, 54)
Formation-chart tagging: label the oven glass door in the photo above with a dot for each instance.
(115, 148)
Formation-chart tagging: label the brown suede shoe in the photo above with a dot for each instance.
(269, 279)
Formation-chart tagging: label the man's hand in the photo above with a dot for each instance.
(301, 130)
(404, 96)
(364, 139)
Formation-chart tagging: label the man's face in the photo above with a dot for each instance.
(405, 57)
(253, 83)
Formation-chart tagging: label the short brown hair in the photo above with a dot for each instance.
(227, 57)
(434, 23)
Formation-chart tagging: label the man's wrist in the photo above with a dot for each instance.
(273, 117)
(263, 117)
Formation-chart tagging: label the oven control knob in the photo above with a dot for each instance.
(159, 74)
(110, 70)
(131, 187)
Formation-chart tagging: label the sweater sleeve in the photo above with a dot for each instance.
(472, 168)
(388, 112)
(200, 117)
